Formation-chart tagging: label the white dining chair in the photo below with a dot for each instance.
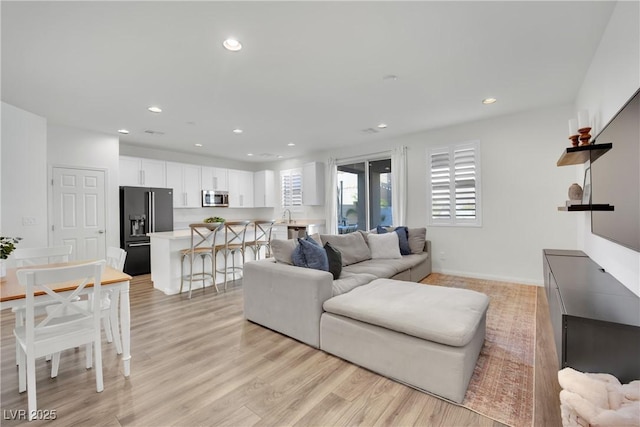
(37, 256)
(110, 300)
(68, 326)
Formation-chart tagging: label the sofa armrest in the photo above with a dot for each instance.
(286, 298)
(427, 247)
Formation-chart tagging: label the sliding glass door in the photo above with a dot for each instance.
(364, 195)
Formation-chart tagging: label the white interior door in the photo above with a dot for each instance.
(79, 211)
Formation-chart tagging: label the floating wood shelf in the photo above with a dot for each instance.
(580, 154)
(576, 208)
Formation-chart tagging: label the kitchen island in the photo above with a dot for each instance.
(166, 258)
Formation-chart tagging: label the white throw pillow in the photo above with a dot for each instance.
(384, 246)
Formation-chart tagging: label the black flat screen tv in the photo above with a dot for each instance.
(615, 178)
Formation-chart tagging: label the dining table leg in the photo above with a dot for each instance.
(125, 319)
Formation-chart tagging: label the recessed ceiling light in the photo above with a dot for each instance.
(489, 100)
(123, 131)
(249, 154)
(279, 156)
(198, 145)
(382, 126)
(237, 131)
(291, 144)
(155, 109)
(390, 77)
(232, 44)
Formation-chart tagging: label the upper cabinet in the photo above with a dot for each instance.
(263, 189)
(137, 172)
(185, 181)
(214, 178)
(240, 189)
(313, 184)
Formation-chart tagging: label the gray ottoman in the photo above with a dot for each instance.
(428, 337)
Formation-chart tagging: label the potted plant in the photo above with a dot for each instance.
(7, 245)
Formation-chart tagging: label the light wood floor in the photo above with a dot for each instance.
(198, 362)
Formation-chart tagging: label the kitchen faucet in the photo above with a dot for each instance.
(287, 211)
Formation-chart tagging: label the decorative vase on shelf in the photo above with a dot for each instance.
(575, 192)
(3, 268)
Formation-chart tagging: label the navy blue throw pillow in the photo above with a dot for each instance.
(335, 260)
(310, 255)
(403, 240)
(381, 230)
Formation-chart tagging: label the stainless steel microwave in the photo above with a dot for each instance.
(215, 198)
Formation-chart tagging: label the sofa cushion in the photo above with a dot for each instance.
(349, 281)
(335, 260)
(407, 261)
(417, 239)
(447, 316)
(283, 250)
(310, 254)
(315, 237)
(377, 267)
(352, 246)
(384, 246)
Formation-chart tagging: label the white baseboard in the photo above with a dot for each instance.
(497, 278)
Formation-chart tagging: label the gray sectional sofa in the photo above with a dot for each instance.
(428, 337)
(289, 299)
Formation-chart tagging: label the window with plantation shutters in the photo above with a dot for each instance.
(454, 184)
(291, 188)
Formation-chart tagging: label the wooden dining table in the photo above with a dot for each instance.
(12, 294)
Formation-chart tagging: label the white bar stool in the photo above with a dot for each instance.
(234, 241)
(262, 237)
(203, 238)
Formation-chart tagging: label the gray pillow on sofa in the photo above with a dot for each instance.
(417, 239)
(352, 246)
(283, 250)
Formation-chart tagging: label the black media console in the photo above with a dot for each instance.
(595, 318)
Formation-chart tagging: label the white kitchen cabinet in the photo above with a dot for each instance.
(263, 189)
(137, 172)
(214, 178)
(240, 189)
(185, 181)
(313, 184)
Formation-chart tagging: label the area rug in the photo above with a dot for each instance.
(502, 385)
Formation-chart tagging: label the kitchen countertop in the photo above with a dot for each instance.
(299, 223)
(185, 233)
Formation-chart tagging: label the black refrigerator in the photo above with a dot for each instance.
(143, 210)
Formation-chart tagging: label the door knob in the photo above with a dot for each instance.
(100, 231)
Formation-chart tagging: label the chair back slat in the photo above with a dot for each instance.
(40, 256)
(116, 257)
(204, 234)
(235, 232)
(263, 230)
(65, 314)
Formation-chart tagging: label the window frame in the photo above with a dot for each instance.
(453, 220)
(293, 172)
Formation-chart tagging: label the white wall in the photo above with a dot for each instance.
(521, 185)
(72, 147)
(24, 176)
(612, 77)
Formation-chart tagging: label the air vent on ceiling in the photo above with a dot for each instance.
(153, 132)
(369, 130)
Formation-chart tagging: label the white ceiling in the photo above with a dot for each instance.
(310, 73)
